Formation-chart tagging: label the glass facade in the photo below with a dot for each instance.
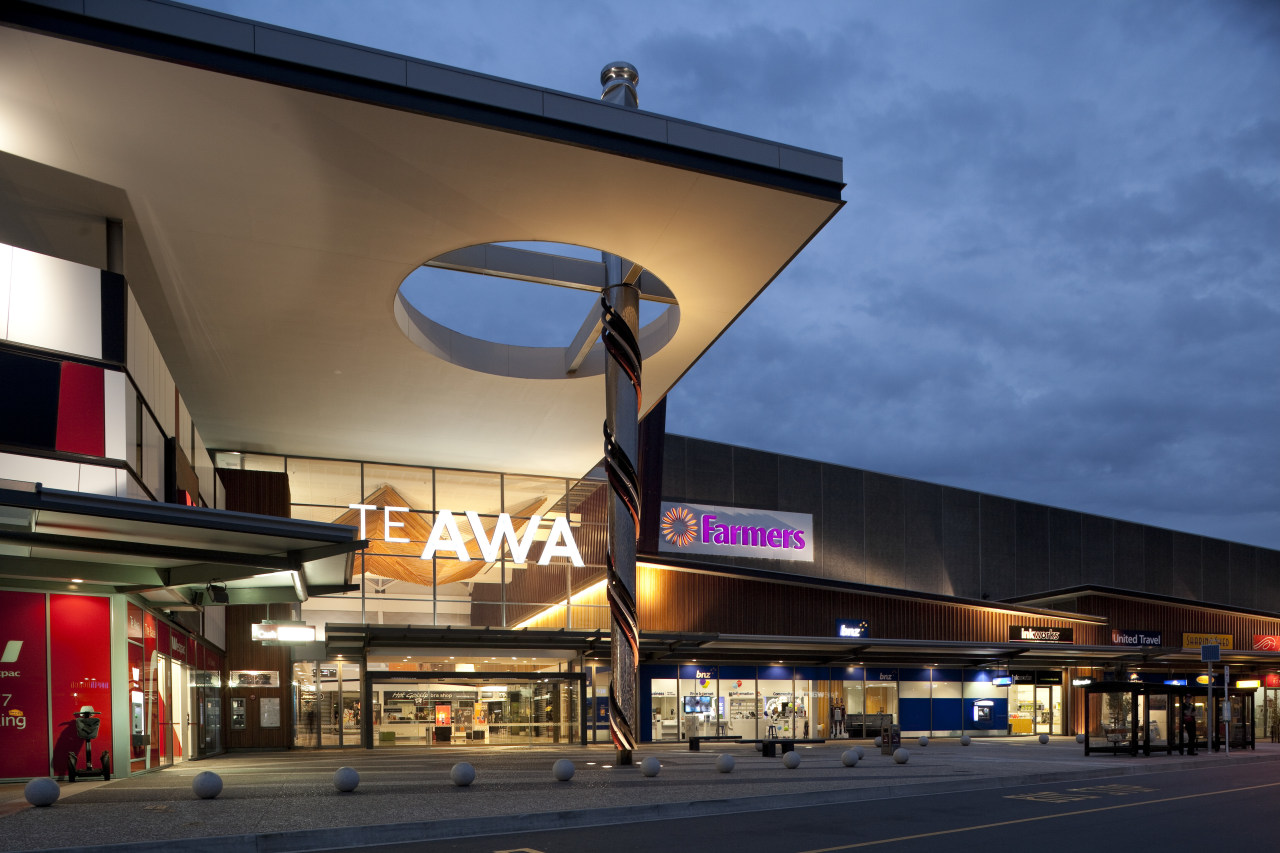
(779, 701)
(504, 547)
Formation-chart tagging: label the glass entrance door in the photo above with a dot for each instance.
(1047, 714)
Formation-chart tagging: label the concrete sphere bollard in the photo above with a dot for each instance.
(877, 742)
(562, 770)
(965, 740)
(900, 756)
(650, 767)
(1044, 738)
(861, 753)
(463, 774)
(724, 763)
(759, 747)
(791, 760)
(1080, 738)
(206, 785)
(924, 741)
(42, 792)
(849, 758)
(345, 779)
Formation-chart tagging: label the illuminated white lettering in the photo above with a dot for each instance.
(445, 524)
(387, 523)
(362, 508)
(567, 548)
(490, 549)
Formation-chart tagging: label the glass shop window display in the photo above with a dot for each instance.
(699, 711)
(666, 709)
(743, 711)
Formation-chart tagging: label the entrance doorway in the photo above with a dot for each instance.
(478, 709)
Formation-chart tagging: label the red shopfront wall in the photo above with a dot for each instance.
(24, 686)
(80, 669)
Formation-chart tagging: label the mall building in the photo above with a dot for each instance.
(253, 496)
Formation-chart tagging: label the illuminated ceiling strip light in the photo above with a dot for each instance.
(595, 587)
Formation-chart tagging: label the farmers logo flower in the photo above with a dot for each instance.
(679, 526)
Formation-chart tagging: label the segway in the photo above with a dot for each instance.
(87, 728)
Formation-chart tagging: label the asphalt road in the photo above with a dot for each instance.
(1200, 810)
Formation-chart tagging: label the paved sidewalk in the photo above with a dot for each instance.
(286, 801)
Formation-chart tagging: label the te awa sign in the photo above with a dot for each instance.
(446, 538)
(1266, 643)
(732, 531)
(1036, 634)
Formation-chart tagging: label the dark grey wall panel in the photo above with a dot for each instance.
(708, 472)
(1098, 550)
(1158, 545)
(1185, 573)
(1130, 550)
(755, 479)
(1267, 579)
(961, 543)
(1066, 550)
(923, 565)
(843, 524)
(885, 518)
(674, 482)
(1215, 564)
(1032, 549)
(1241, 571)
(999, 547)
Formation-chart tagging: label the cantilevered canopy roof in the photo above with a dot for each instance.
(58, 541)
(276, 188)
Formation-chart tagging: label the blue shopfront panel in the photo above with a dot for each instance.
(913, 715)
(737, 673)
(647, 674)
(946, 715)
(948, 674)
(905, 674)
(848, 673)
(812, 673)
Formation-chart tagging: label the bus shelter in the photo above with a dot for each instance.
(1135, 716)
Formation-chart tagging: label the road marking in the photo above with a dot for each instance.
(1114, 790)
(518, 850)
(1016, 821)
(1051, 797)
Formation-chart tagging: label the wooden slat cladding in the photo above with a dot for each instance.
(686, 601)
(243, 653)
(1173, 620)
(261, 492)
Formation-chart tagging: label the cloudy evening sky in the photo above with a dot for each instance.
(1057, 275)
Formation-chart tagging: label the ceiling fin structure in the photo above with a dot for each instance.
(272, 208)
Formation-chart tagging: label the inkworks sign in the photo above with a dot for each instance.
(1034, 634)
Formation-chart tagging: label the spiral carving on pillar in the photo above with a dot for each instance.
(624, 352)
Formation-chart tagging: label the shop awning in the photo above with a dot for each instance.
(176, 556)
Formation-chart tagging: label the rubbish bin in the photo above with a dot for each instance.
(890, 739)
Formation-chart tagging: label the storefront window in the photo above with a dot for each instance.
(881, 698)
(666, 709)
